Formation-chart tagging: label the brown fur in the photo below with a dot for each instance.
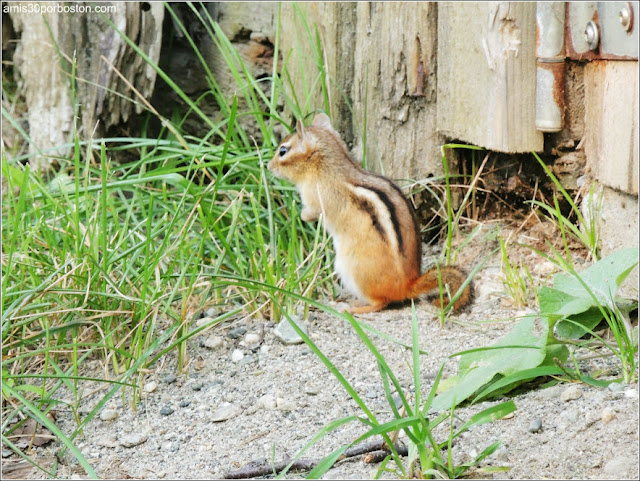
(375, 231)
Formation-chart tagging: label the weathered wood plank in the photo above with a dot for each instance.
(611, 111)
(395, 79)
(486, 74)
(44, 56)
(381, 59)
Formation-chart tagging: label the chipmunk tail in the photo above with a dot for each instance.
(451, 279)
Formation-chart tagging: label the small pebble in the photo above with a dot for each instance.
(620, 466)
(133, 439)
(535, 426)
(108, 442)
(237, 332)
(166, 410)
(616, 387)
(161, 474)
(571, 393)
(236, 355)
(197, 386)
(225, 412)
(213, 342)
(550, 392)
(6, 453)
(166, 446)
(150, 387)
(170, 378)
(267, 402)
(607, 415)
(371, 394)
(284, 405)
(108, 414)
(184, 403)
(312, 390)
(203, 321)
(247, 360)
(251, 339)
(631, 393)
(285, 332)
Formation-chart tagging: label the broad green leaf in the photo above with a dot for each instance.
(479, 367)
(602, 278)
(578, 325)
(559, 303)
(448, 383)
(518, 378)
(555, 351)
(579, 300)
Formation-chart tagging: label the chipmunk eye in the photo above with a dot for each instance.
(283, 151)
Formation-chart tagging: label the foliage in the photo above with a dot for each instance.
(453, 220)
(574, 306)
(425, 459)
(112, 258)
(586, 229)
(517, 279)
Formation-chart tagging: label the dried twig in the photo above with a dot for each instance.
(376, 450)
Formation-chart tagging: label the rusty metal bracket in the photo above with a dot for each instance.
(550, 57)
(602, 30)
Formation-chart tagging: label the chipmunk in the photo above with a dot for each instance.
(374, 228)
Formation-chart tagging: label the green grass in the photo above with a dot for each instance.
(585, 230)
(427, 457)
(517, 279)
(112, 258)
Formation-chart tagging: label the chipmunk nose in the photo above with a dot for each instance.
(272, 166)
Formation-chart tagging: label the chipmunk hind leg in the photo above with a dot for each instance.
(373, 307)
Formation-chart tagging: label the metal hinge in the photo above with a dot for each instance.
(602, 30)
(577, 31)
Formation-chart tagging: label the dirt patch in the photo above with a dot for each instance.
(247, 396)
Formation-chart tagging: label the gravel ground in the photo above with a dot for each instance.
(247, 396)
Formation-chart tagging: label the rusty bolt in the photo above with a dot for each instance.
(626, 17)
(592, 35)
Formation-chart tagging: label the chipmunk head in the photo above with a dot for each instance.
(301, 155)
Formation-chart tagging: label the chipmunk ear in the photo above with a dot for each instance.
(300, 127)
(322, 121)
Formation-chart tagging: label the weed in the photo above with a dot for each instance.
(111, 259)
(586, 231)
(573, 307)
(426, 459)
(516, 279)
(453, 220)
